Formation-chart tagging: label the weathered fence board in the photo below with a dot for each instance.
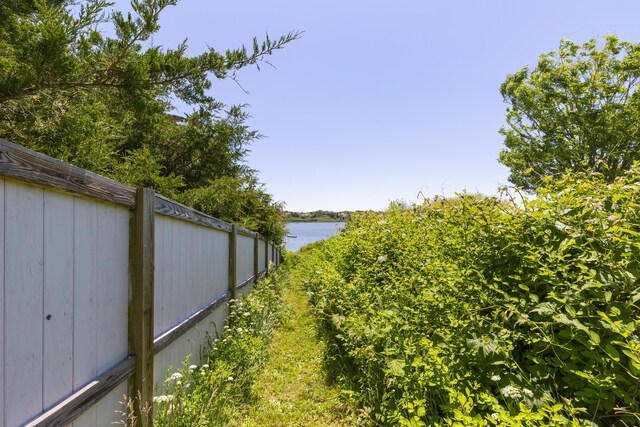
(262, 253)
(172, 208)
(85, 328)
(58, 297)
(23, 302)
(106, 392)
(113, 285)
(244, 256)
(2, 291)
(30, 166)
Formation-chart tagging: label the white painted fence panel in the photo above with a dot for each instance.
(189, 344)
(244, 257)
(2, 290)
(65, 296)
(23, 362)
(191, 270)
(58, 297)
(64, 300)
(107, 411)
(113, 286)
(85, 328)
(262, 263)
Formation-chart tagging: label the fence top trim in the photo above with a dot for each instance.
(166, 206)
(27, 165)
(23, 164)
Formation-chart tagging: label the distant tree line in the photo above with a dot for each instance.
(320, 215)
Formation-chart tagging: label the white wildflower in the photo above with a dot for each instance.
(230, 378)
(174, 377)
(192, 367)
(496, 378)
(246, 313)
(205, 366)
(528, 393)
(163, 398)
(511, 392)
(495, 416)
(239, 330)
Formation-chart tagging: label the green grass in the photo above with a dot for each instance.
(291, 389)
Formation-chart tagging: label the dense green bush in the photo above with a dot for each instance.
(488, 311)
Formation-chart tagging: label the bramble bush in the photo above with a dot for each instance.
(488, 311)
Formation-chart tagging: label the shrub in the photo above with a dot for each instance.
(486, 311)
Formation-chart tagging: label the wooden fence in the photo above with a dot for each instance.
(104, 287)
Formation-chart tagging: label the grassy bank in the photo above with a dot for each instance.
(291, 389)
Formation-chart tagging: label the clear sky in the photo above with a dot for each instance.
(383, 100)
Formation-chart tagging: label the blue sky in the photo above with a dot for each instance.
(383, 100)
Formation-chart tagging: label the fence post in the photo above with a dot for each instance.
(141, 253)
(256, 266)
(233, 279)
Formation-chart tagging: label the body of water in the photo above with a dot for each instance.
(309, 232)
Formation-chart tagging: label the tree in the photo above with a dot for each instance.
(107, 103)
(579, 109)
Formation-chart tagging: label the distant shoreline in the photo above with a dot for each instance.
(314, 220)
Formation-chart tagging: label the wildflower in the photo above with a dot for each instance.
(239, 330)
(496, 378)
(230, 378)
(246, 313)
(192, 367)
(163, 398)
(495, 416)
(205, 366)
(174, 377)
(511, 392)
(528, 393)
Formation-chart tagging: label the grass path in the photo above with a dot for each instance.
(291, 390)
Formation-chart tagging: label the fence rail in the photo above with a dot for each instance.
(104, 283)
